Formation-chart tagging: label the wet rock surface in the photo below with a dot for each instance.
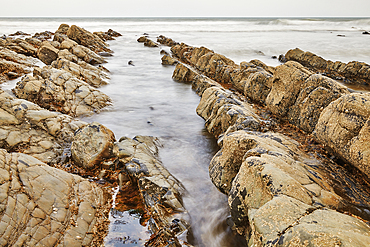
(279, 194)
(162, 193)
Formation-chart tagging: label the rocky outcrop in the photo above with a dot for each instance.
(58, 90)
(351, 72)
(290, 91)
(47, 53)
(94, 76)
(278, 194)
(109, 35)
(19, 46)
(168, 60)
(13, 65)
(166, 41)
(30, 129)
(91, 145)
(223, 112)
(344, 127)
(162, 192)
(87, 39)
(147, 42)
(43, 206)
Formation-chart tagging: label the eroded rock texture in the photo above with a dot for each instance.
(44, 206)
(278, 194)
(352, 72)
(30, 129)
(161, 191)
(59, 90)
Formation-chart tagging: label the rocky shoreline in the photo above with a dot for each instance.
(293, 158)
(43, 143)
(280, 194)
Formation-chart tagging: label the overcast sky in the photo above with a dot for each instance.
(185, 8)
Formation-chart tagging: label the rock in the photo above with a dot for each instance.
(13, 65)
(150, 43)
(60, 91)
(33, 41)
(258, 86)
(184, 73)
(343, 126)
(62, 29)
(161, 191)
(284, 221)
(91, 75)
(142, 39)
(315, 95)
(41, 205)
(224, 113)
(47, 53)
(43, 36)
(365, 32)
(286, 85)
(166, 41)
(87, 39)
(25, 125)
(19, 46)
(168, 60)
(354, 72)
(109, 35)
(278, 194)
(19, 33)
(91, 145)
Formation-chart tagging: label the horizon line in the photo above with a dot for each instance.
(368, 17)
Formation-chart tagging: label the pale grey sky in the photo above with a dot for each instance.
(187, 8)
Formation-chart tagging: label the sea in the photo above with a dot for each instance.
(146, 101)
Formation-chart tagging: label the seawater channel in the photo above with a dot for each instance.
(146, 101)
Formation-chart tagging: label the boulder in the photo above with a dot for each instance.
(19, 46)
(316, 93)
(258, 86)
(91, 145)
(43, 36)
(93, 76)
(287, 82)
(62, 29)
(87, 39)
(168, 60)
(59, 90)
(43, 206)
(166, 41)
(344, 126)
(33, 130)
(47, 53)
(224, 113)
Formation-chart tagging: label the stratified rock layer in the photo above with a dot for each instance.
(28, 128)
(59, 90)
(279, 195)
(44, 206)
(161, 191)
(352, 72)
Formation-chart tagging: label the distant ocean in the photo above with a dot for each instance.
(146, 101)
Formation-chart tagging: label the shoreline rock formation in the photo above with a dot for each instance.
(278, 194)
(352, 72)
(41, 204)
